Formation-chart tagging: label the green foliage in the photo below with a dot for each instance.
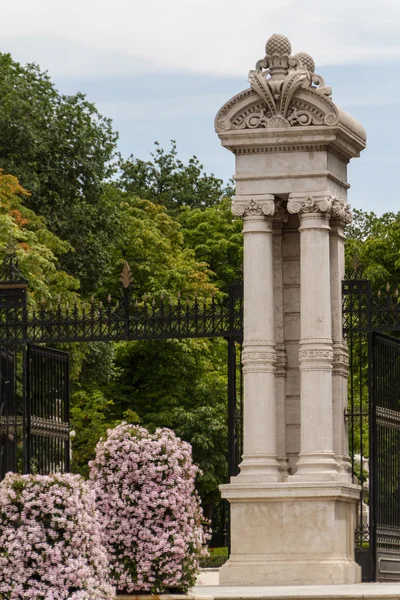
(215, 559)
(38, 249)
(216, 237)
(89, 422)
(180, 385)
(373, 243)
(152, 242)
(61, 149)
(168, 181)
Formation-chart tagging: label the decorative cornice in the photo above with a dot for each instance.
(253, 206)
(288, 148)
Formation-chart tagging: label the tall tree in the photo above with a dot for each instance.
(373, 247)
(38, 250)
(167, 180)
(61, 149)
(215, 235)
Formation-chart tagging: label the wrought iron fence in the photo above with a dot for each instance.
(34, 405)
(374, 376)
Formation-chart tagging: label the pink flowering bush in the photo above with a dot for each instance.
(150, 510)
(50, 541)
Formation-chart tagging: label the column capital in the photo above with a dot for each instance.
(320, 204)
(259, 205)
(281, 215)
(341, 214)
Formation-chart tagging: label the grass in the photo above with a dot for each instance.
(216, 558)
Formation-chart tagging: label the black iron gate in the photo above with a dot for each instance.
(373, 417)
(385, 457)
(47, 402)
(34, 410)
(34, 379)
(10, 424)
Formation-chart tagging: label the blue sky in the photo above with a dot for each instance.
(161, 70)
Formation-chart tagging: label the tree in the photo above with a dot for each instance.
(152, 242)
(37, 249)
(62, 150)
(215, 235)
(169, 181)
(373, 245)
(180, 384)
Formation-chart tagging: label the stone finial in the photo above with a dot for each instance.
(278, 44)
(307, 61)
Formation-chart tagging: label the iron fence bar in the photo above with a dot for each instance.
(372, 452)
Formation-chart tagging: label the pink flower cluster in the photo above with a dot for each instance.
(50, 540)
(150, 510)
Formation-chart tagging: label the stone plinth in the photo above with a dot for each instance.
(361, 591)
(296, 533)
(293, 505)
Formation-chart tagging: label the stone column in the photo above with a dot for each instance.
(280, 217)
(258, 356)
(316, 459)
(340, 217)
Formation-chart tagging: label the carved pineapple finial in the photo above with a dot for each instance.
(278, 44)
(307, 61)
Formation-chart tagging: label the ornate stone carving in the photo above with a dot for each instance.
(337, 209)
(310, 204)
(258, 357)
(291, 94)
(307, 354)
(341, 212)
(277, 78)
(340, 360)
(261, 205)
(280, 215)
(281, 360)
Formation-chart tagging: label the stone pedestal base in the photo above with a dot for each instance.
(291, 534)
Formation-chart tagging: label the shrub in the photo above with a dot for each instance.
(150, 511)
(50, 540)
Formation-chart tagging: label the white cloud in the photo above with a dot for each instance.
(208, 36)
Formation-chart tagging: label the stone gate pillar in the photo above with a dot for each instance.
(293, 505)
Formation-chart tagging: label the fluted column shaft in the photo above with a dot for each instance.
(258, 356)
(316, 459)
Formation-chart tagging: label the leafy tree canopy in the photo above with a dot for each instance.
(169, 181)
(153, 244)
(216, 237)
(62, 150)
(37, 248)
(373, 245)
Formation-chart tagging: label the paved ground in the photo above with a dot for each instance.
(361, 591)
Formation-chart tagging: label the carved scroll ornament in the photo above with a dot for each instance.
(277, 81)
(335, 208)
(257, 206)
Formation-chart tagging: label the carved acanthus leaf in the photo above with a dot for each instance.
(337, 209)
(310, 204)
(278, 79)
(245, 206)
(341, 212)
